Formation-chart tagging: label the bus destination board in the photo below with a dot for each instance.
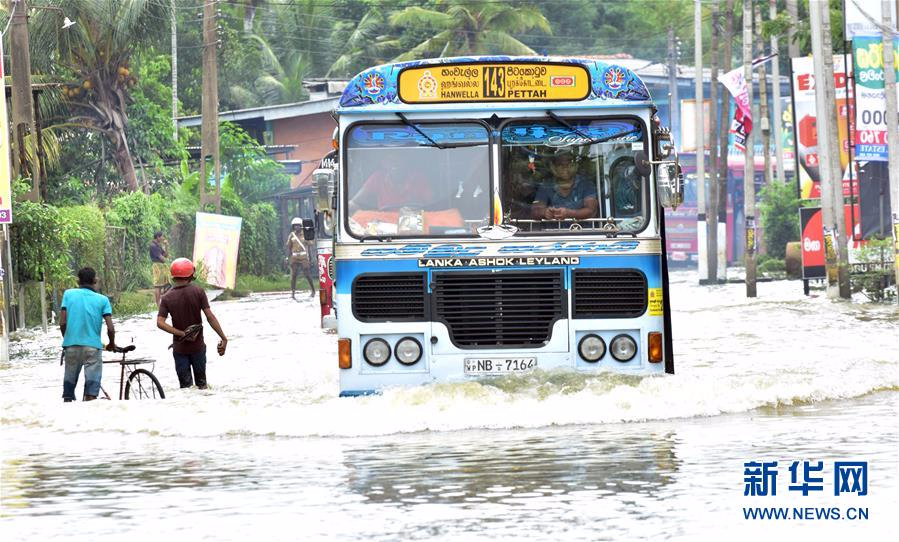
(513, 82)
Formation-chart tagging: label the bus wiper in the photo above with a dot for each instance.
(590, 140)
(412, 125)
(434, 143)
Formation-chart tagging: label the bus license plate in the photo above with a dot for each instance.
(498, 366)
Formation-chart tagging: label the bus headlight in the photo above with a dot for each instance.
(591, 348)
(408, 351)
(623, 348)
(376, 352)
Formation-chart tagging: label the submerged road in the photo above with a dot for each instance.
(270, 451)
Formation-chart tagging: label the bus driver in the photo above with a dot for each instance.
(391, 187)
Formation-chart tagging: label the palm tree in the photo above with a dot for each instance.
(95, 55)
(281, 82)
(361, 45)
(249, 13)
(471, 27)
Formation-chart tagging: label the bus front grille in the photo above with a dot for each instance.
(393, 297)
(608, 293)
(502, 309)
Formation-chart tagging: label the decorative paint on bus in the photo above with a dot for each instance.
(383, 85)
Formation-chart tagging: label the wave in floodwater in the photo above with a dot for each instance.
(279, 378)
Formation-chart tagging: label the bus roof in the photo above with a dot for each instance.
(458, 82)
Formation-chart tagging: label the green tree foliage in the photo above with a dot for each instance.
(247, 170)
(150, 128)
(470, 27)
(87, 238)
(360, 44)
(141, 215)
(41, 240)
(780, 217)
(282, 81)
(95, 56)
(260, 250)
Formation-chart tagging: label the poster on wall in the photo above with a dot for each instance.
(215, 248)
(803, 80)
(5, 171)
(870, 97)
(688, 129)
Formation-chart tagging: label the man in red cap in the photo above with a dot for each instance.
(185, 302)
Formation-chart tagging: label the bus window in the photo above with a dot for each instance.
(626, 191)
(406, 185)
(556, 172)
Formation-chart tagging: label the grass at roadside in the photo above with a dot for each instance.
(249, 284)
(131, 303)
(272, 283)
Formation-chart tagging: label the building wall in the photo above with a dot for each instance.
(312, 136)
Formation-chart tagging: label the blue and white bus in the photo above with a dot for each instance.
(500, 215)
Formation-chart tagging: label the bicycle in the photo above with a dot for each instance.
(139, 383)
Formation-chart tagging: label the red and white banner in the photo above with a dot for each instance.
(741, 125)
(735, 83)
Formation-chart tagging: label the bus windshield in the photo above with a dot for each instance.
(573, 174)
(417, 179)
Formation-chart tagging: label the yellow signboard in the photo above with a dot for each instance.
(655, 302)
(513, 82)
(216, 242)
(5, 173)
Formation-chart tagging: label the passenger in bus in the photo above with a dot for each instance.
(626, 188)
(567, 195)
(521, 188)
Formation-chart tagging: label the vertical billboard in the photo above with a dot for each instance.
(805, 114)
(812, 243)
(870, 97)
(215, 248)
(5, 170)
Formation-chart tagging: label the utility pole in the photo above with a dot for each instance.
(764, 122)
(828, 154)
(174, 72)
(711, 202)
(210, 103)
(673, 101)
(699, 130)
(793, 12)
(778, 113)
(726, 65)
(5, 266)
(748, 159)
(844, 286)
(892, 116)
(22, 100)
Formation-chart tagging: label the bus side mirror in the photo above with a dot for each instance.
(323, 181)
(308, 229)
(670, 184)
(641, 161)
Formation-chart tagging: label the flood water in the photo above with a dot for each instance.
(270, 452)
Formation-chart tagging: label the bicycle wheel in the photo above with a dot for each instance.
(142, 384)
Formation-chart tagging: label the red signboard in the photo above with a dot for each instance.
(812, 242)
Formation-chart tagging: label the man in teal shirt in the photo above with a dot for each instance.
(81, 317)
